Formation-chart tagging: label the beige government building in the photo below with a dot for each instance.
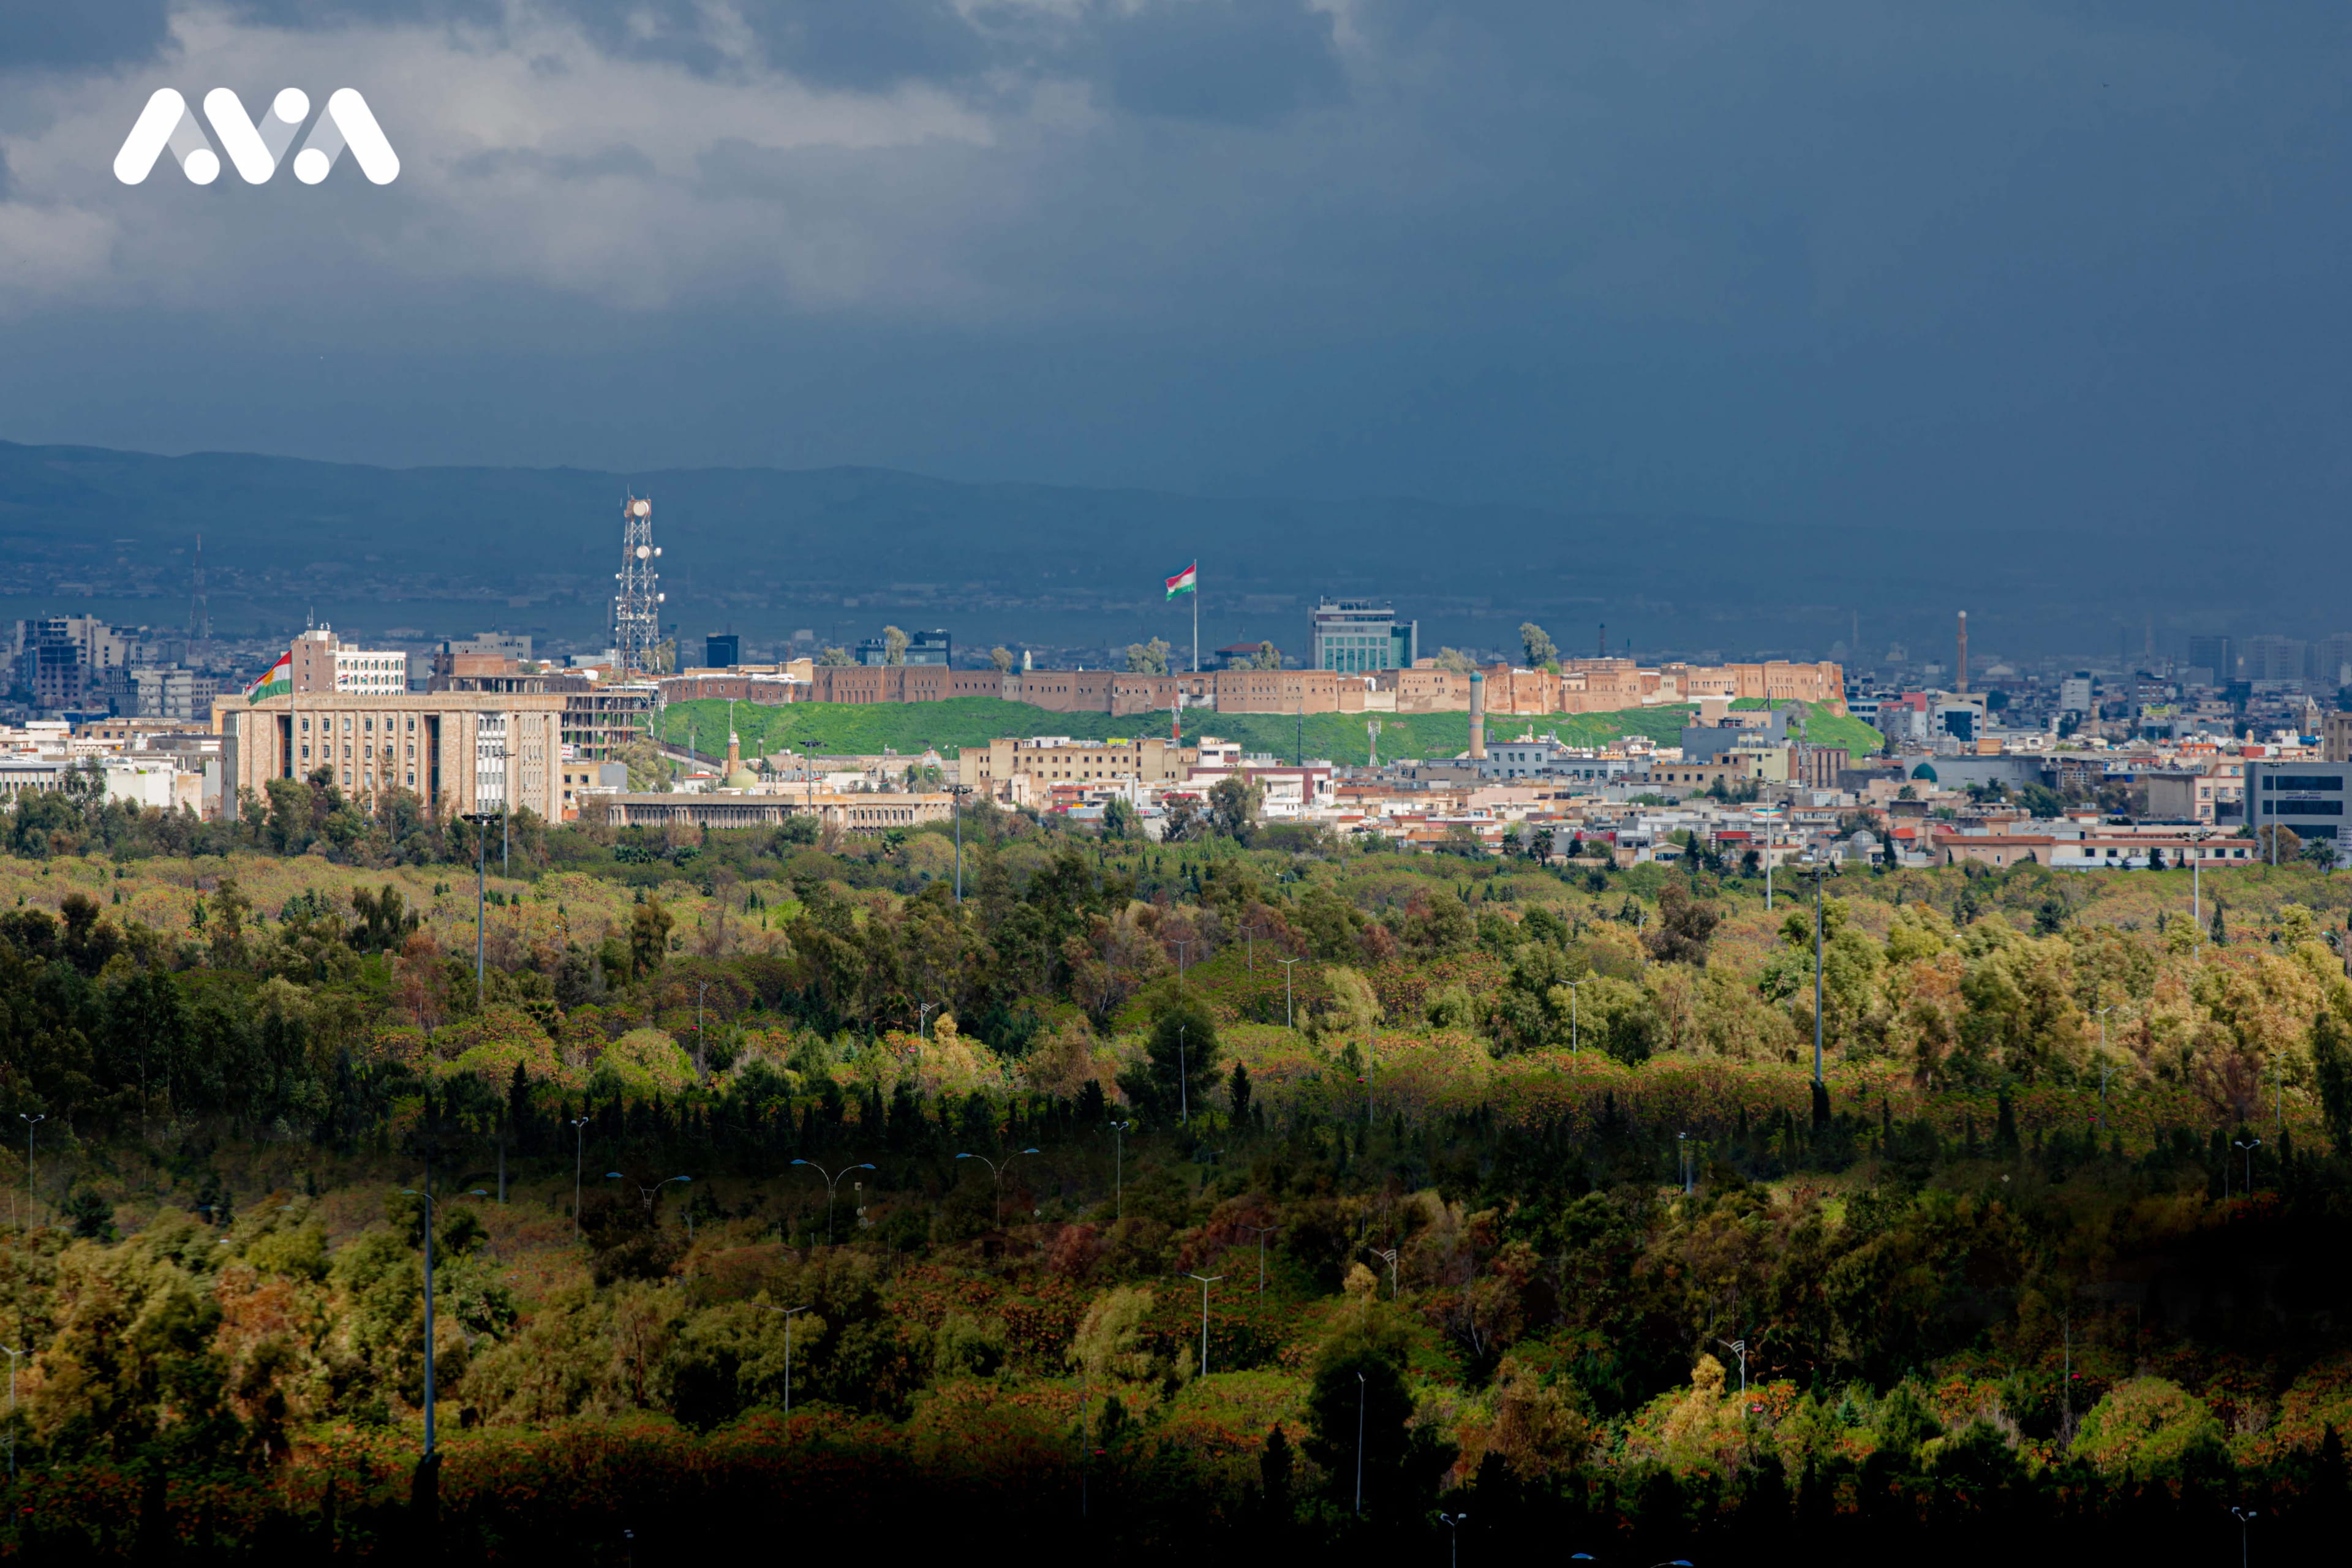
(457, 751)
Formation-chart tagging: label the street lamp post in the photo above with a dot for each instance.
(1119, 1131)
(1387, 1254)
(785, 1313)
(1183, 948)
(1289, 1018)
(1453, 1523)
(431, 1215)
(830, 1183)
(1739, 1349)
(31, 1201)
(1682, 1155)
(2103, 1061)
(1817, 874)
(2249, 1145)
(2245, 1521)
(923, 1011)
(648, 1193)
(1183, 1079)
(1360, 1443)
(956, 793)
(579, 1151)
(702, 989)
(996, 1178)
(481, 821)
(1573, 987)
(1206, 1280)
(1263, 1232)
(13, 1354)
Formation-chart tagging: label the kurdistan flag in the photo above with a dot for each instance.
(278, 682)
(1184, 582)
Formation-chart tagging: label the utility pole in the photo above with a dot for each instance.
(1288, 1017)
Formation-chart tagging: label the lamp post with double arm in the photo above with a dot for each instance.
(831, 1182)
(996, 1178)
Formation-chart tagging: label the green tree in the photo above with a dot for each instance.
(1147, 659)
(1267, 657)
(1002, 660)
(1684, 927)
(1455, 659)
(835, 659)
(649, 926)
(1179, 1062)
(1537, 644)
(2331, 1060)
(1358, 1416)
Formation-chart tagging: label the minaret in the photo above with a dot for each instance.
(1477, 717)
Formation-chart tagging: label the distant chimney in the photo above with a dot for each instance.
(1477, 717)
(1605, 639)
(1963, 687)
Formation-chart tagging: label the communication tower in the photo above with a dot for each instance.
(200, 614)
(637, 607)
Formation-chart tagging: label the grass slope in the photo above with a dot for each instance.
(908, 727)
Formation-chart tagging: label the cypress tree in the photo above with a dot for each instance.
(2005, 1143)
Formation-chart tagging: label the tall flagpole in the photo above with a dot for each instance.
(1196, 615)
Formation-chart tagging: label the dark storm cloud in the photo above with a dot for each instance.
(45, 34)
(2038, 261)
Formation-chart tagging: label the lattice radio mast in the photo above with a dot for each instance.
(636, 607)
(200, 614)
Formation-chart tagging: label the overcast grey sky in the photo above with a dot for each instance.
(2038, 264)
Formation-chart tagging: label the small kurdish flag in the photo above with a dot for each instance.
(278, 682)
(1186, 580)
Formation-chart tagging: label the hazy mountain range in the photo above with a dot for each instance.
(435, 552)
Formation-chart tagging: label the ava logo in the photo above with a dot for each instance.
(256, 149)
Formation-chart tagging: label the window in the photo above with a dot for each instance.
(2327, 783)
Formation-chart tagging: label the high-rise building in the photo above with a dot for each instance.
(69, 662)
(722, 650)
(2331, 660)
(1359, 635)
(2277, 658)
(2218, 655)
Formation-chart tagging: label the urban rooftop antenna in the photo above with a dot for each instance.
(636, 606)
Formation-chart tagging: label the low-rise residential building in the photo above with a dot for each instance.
(1058, 759)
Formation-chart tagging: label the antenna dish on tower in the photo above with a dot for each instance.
(637, 614)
